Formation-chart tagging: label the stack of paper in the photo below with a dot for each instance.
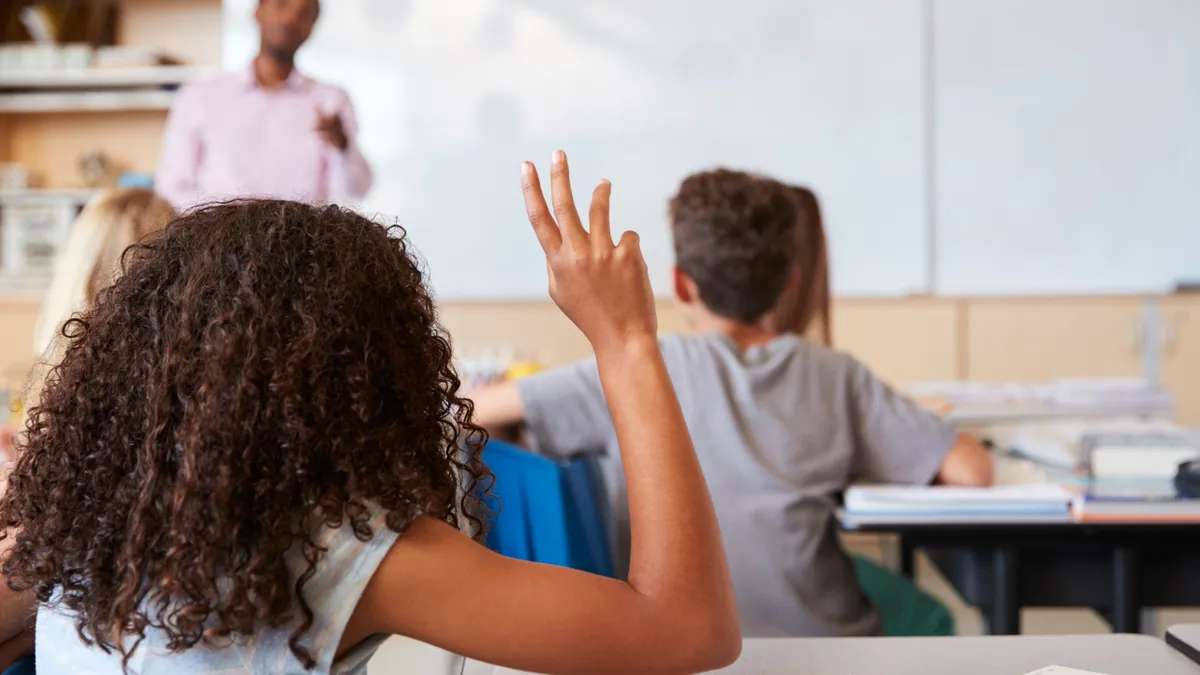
(1019, 500)
(983, 402)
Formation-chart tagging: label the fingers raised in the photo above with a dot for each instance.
(598, 219)
(535, 208)
(631, 241)
(564, 202)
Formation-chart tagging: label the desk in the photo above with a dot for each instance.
(1185, 638)
(1116, 569)
(1001, 564)
(1108, 654)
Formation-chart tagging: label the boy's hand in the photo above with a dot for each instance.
(603, 289)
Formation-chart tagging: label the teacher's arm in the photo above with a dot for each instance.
(350, 175)
(177, 179)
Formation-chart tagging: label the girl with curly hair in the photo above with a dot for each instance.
(254, 457)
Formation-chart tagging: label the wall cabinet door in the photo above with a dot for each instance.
(17, 319)
(1180, 365)
(1035, 340)
(903, 341)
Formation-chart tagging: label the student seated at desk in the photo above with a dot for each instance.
(781, 425)
(249, 461)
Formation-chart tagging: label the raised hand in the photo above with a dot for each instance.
(604, 289)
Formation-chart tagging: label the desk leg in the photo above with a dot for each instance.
(1126, 611)
(1006, 606)
(908, 555)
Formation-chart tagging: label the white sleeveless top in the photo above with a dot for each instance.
(332, 593)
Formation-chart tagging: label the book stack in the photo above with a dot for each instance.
(1151, 453)
(942, 502)
(1146, 509)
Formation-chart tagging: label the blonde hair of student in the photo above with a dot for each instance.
(91, 259)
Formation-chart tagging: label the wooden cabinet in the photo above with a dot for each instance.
(17, 318)
(525, 330)
(1035, 340)
(904, 340)
(1180, 354)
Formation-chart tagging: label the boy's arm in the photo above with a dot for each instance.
(564, 410)
(968, 463)
(498, 406)
(900, 442)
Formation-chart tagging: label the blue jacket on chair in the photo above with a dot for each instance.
(548, 511)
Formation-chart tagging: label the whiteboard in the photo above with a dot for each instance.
(1068, 145)
(453, 94)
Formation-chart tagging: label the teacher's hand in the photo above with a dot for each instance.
(331, 131)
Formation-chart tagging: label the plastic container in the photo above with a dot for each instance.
(33, 227)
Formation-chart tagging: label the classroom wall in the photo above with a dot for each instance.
(903, 340)
(189, 30)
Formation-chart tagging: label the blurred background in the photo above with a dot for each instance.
(1011, 188)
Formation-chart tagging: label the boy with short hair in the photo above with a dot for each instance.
(781, 425)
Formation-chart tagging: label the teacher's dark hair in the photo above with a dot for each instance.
(261, 370)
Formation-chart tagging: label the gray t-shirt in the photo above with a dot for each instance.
(780, 430)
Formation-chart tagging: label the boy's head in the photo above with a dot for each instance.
(734, 240)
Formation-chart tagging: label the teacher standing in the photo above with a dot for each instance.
(268, 131)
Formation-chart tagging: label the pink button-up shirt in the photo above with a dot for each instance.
(229, 138)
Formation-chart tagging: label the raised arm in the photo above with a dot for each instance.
(677, 612)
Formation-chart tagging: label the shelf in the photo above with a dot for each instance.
(85, 101)
(16, 288)
(103, 78)
(78, 196)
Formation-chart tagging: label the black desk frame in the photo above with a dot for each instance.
(1115, 569)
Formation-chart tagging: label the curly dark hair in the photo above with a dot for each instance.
(734, 235)
(262, 369)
